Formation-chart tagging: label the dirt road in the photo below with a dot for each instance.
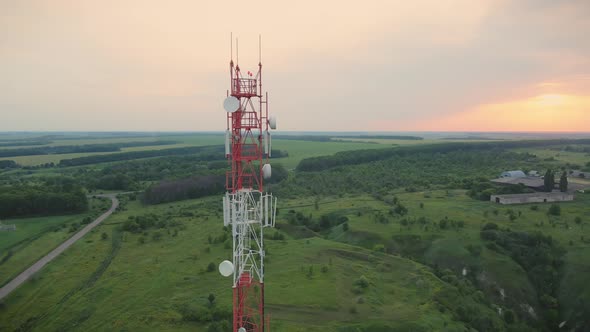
(25, 275)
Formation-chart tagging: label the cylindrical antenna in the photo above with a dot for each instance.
(259, 49)
(231, 46)
(237, 53)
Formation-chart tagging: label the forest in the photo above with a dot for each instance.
(50, 196)
(413, 170)
(206, 153)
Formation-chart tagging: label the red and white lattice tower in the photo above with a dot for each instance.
(247, 209)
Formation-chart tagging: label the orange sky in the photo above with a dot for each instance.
(437, 65)
(550, 112)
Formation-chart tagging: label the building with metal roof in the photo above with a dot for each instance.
(512, 174)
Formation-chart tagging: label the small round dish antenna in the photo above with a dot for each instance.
(231, 104)
(241, 329)
(226, 268)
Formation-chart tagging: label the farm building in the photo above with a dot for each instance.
(532, 198)
(512, 174)
(533, 182)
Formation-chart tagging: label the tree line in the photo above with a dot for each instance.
(175, 190)
(212, 183)
(10, 143)
(364, 156)
(53, 197)
(214, 152)
(67, 149)
(8, 164)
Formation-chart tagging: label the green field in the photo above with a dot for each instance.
(574, 158)
(297, 149)
(171, 273)
(35, 237)
(183, 141)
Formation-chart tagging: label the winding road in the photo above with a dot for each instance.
(26, 274)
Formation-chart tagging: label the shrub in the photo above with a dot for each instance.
(400, 209)
(157, 236)
(474, 250)
(554, 210)
(490, 227)
(362, 282)
(220, 326)
(211, 267)
(104, 236)
(509, 316)
(379, 248)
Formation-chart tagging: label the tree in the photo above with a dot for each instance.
(549, 181)
(563, 182)
(211, 267)
(104, 236)
(362, 282)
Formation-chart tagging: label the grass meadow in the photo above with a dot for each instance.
(310, 278)
(35, 237)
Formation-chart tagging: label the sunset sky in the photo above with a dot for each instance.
(328, 65)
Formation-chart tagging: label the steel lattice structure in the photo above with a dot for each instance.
(247, 209)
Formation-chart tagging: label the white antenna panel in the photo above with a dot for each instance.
(268, 144)
(272, 122)
(227, 137)
(266, 171)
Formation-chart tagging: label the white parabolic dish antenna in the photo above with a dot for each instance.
(231, 104)
(226, 268)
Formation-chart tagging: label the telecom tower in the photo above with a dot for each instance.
(247, 209)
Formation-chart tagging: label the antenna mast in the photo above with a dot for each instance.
(247, 209)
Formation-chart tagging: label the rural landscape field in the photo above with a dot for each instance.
(308, 166)
(373, 233)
